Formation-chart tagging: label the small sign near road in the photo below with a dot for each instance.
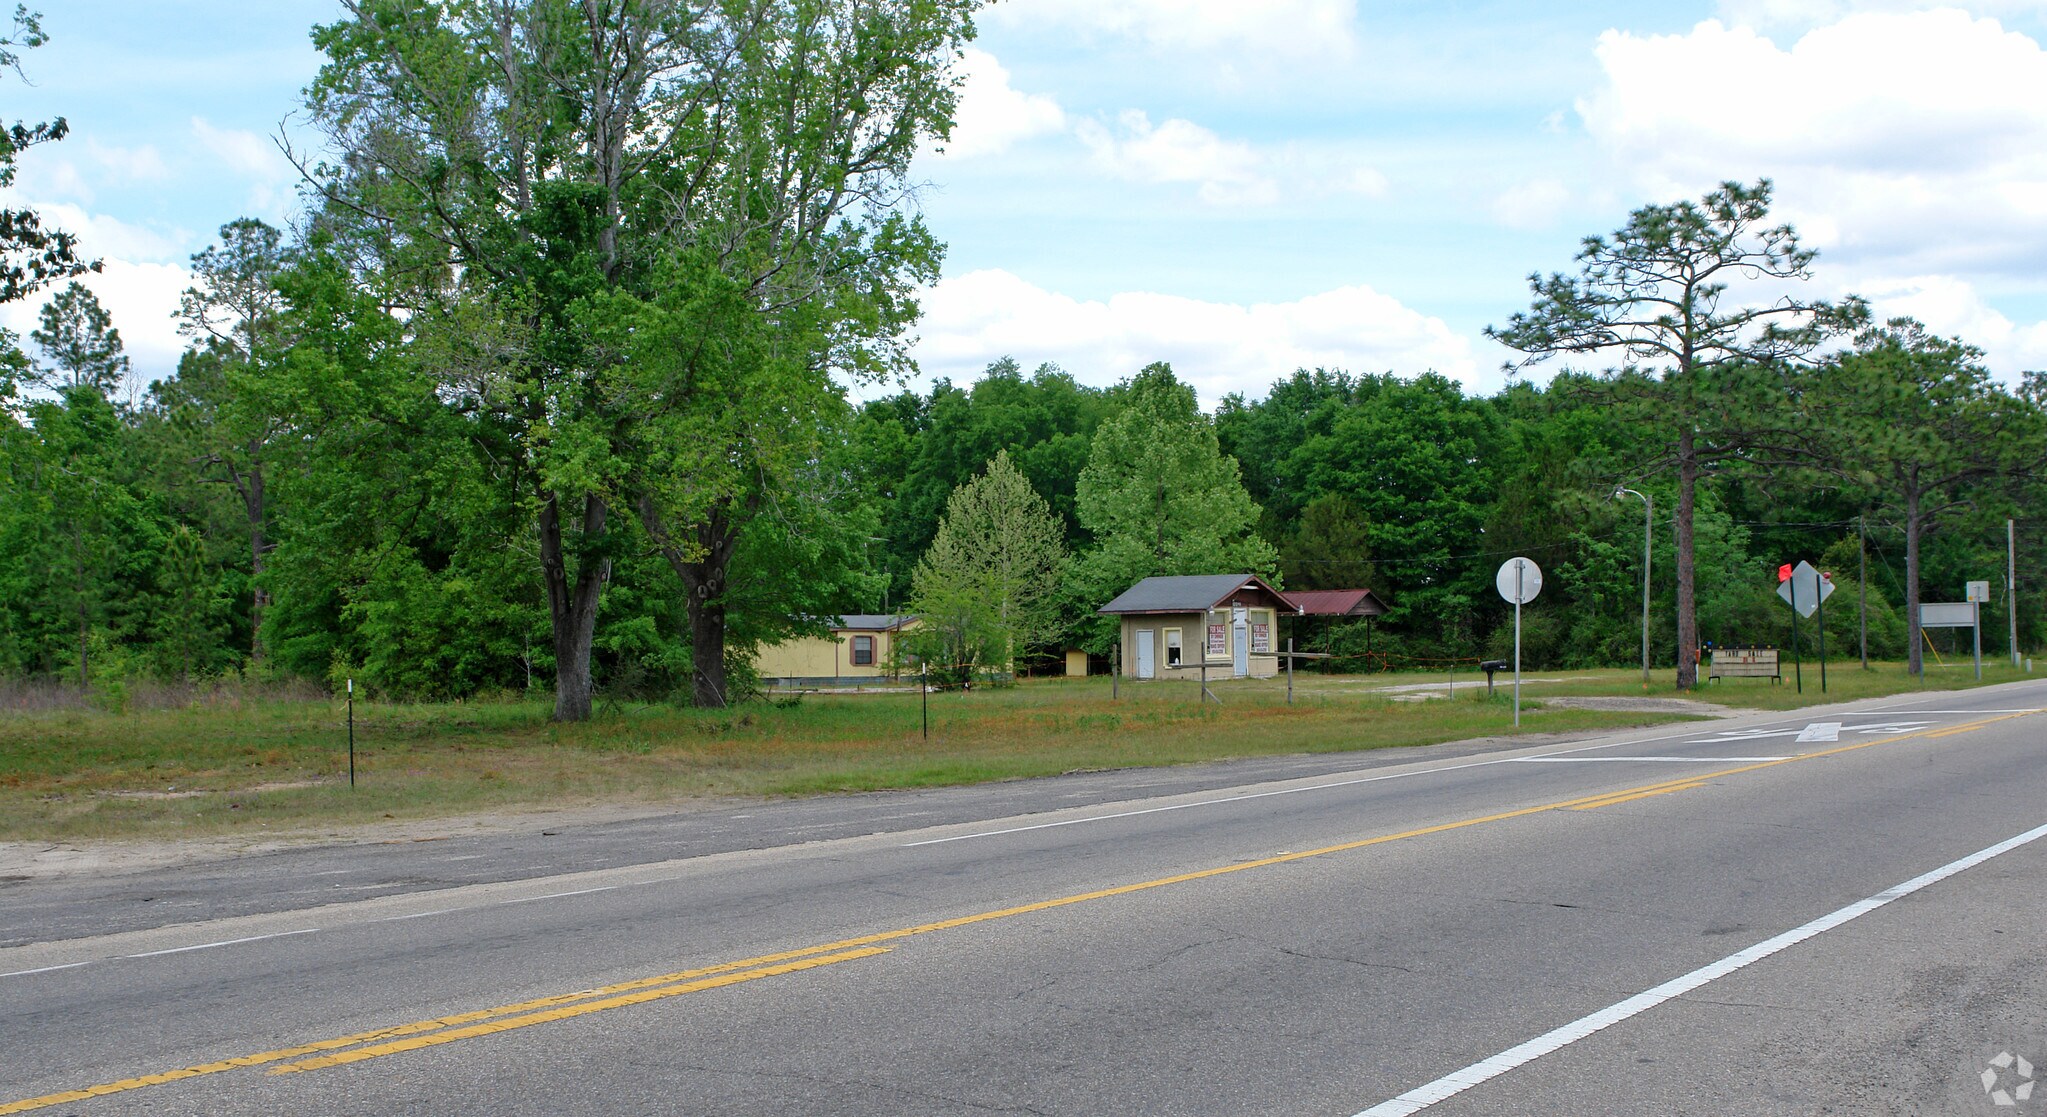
(1519, 580)
(1805, 589)
(1978, 592)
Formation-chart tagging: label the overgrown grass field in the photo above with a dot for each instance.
(244, 762)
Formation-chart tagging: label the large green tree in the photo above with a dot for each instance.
(1656, 293)
(518, 168)
(226, 396)
(1160, 497)
(1921, 423)
(81, 348)
(987, 592)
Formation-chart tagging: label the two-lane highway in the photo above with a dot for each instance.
(1832, 912)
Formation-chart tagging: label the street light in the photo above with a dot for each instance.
(1648, 535)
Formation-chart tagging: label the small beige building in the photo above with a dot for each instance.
(1174, 626)
(860, 649)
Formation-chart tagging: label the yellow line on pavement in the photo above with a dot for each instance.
(408, 1037)
(569, 1013)
(1632, 796)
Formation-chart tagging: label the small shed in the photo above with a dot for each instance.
(1323, 608)
(1173, 627)
(860, 649)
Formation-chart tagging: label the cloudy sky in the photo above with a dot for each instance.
(1241, 188)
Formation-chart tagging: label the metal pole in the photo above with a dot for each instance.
(1518, 595)
(1203, 696)
(1862, 586)
(924, 691)
(351, 732)
(2011, 585)
(1797, 661)
(1289, 670)
(1977, 629)
(1822, 607)
(1115, 667)
(1648, 526)
(1648, 537)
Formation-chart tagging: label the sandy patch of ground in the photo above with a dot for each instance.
(21, 861)
(1647, 705)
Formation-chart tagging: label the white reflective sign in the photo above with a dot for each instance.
(1519, 580)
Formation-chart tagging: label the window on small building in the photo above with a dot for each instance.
(863, 651)
(1172, 647)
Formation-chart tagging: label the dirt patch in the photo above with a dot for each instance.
(1647, 706)
(26, 861)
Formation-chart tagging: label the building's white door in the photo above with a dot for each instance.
(1145, 669)
(1240, 644)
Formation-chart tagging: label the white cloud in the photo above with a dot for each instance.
(100, 235)
(1766, 14)
(140, 298)
(1951, 307)
(1229, 172)
(1903, 142)
(993, 116)
(254, 158)
(1263, 33)
(1535, 204)
(973, 319)
(128, 164)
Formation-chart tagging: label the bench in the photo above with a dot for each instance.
(1745, 663)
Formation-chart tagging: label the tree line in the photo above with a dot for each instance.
(548, 391)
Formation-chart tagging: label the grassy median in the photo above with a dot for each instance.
(242, 762)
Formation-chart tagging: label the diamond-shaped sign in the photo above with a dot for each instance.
(1806, 588)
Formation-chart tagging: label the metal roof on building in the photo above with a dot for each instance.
(1187, 593)
(872, 622)
(1337, 603)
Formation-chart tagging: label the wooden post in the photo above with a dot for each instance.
(1289, 670)
(1115, 667)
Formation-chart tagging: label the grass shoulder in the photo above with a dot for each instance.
(279, 765)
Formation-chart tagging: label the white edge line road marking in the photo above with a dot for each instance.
(557, 895)
(223, 942)
(1656, 759)
(1327, 786)
(1456, 1082)
(1730, 737)
(47, 969)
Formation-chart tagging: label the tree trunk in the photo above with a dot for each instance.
(1915, 658)
(707, 641)
(259, 598)
(572, 606)
(1687, 568)
(703, 572)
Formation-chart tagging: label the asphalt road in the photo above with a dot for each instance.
(1838, 912)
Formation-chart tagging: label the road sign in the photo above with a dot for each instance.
(1519, 580)
(1946, 614)
(1978, 591)
(1805, 589)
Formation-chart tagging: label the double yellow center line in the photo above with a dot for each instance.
(422, 1034)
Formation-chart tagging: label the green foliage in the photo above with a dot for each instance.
(1160, 497)
(986, 594)
(80, 343)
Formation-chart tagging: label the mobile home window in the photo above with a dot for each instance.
(1172, 647)
(863, 651)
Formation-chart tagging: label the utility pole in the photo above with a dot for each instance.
(1648, 529)
(1862, 582)
(2011, 585)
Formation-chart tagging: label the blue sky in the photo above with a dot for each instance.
(1242, 188)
